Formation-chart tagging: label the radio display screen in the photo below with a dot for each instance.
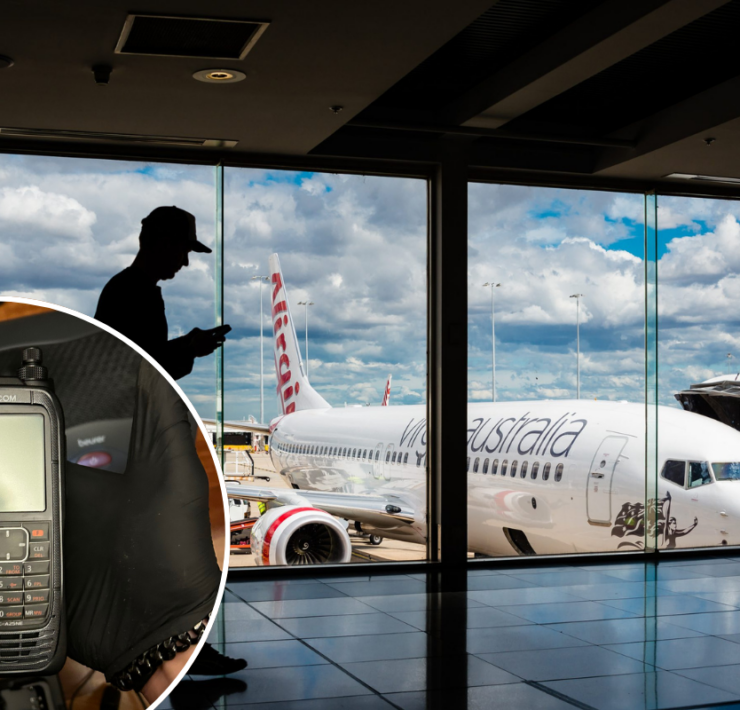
(22, 481)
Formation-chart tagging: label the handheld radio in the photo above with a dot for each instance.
(32, 629)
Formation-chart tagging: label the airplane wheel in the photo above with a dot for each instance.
(375, 539)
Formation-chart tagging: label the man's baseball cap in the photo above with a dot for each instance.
(174, 223)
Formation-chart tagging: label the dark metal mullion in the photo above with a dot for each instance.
(447, 363)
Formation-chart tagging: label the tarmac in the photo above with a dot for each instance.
(238, 467)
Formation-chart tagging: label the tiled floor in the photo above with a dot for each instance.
(609, 637)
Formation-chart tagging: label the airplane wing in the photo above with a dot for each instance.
(382, 511)
(242, 426)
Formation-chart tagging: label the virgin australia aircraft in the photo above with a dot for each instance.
(543, 477)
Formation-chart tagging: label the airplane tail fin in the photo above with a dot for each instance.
(387, 394)
(294, 391)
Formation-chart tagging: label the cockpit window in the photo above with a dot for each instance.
(727, 471)
(675, 471)
(699, 474)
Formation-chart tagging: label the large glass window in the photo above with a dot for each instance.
(343, 323)
(556, 363)
(70, 224)
(698, 265)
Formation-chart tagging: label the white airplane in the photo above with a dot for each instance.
(543, 477)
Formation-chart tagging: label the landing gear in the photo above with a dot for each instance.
(371, 537)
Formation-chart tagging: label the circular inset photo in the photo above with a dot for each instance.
(112, 518)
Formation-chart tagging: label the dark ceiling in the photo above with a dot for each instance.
(610, 90)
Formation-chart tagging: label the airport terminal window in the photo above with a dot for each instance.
(556, 314)
(352, 252)
(675, 472)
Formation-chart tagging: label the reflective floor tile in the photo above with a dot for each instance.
(723, 677)
(268, 591)
(517, 638)
(628, 574)
(531, 595)
(274, 654)
(615, 590)
(667, 574)
(571, 611)
(253, 630)
(367, 578)
(428, 673)
(242, 611)
(714, 569)
(419, 602)
(670, 605)
(294, 683)
(561, 663)
(356, 624)
(379, 586)
(622, 630)
(500, 582)
(717, 624)
(641, 691)
(513, 696)
(361, 702)
(564, 578)
(353, 649)
(729, 598)
(682, 653)
(701, 584)
(312, 607)
(436, 623)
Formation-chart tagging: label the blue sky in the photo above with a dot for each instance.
(355, 245)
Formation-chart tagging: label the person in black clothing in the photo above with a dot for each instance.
(132, 303)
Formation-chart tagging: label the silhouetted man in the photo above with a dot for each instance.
(132, 303)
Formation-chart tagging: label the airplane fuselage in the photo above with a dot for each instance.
(546, 477)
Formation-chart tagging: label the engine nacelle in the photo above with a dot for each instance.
(299, 535)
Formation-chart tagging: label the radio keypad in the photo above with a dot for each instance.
(24, 572)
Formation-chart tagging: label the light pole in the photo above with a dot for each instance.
(261, 279)
(306, 304)
(578, 297)
(493, 341)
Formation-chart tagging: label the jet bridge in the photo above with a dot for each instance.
(718, 398)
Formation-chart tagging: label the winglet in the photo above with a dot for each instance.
(294, 391)
(387, 394)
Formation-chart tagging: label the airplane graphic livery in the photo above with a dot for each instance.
(543, 477)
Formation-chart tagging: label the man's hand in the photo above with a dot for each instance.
(204, 342)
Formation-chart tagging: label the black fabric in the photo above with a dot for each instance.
(133, 305)
(138, 555)
(94, 377)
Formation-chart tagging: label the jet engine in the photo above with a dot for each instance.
(299, 535)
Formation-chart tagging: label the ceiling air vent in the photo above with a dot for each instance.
(115, 137)
(162, 36)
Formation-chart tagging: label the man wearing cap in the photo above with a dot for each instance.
(132, 303)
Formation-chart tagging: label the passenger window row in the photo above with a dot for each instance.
(511, 469)
(369, 455)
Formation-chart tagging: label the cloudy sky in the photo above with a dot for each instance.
(355, 246)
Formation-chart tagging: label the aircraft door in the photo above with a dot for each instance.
(377, 466)
(600, 479)
(385, 462)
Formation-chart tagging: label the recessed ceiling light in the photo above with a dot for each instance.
(219, 76)
(704, 178)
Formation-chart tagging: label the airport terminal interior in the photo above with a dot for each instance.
(478, 410)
